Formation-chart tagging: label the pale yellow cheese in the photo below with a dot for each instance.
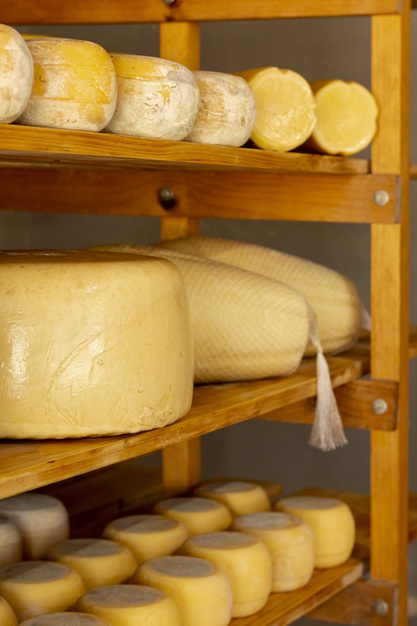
(147, 536)
(16, 74)
(157, 98)
(238, 495)
(290, 542)
(67, 618)
(199, 515)
(74, 85)
(11, 544)
(201, 590)
(7, 616)
(92, 344)
(131, 605)
(246, 561)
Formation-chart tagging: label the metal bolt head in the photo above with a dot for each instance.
(167, 198)
(379, 406)
(381, 197)
(168, 2)
(380, 607)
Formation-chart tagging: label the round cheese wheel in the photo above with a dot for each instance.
(157, 98)
(147, 536)
(199, 515)
(74, 85)
(67, 618)
(42, 521)
(201, 590)
(131, 605)
(11, 544)
(246, 561)
(7, 616)
(36, 587)
(227, 111)
(16, 74)
(332, 523)
(99, 562)
(238, 495)
(92, 344)
(290, 542)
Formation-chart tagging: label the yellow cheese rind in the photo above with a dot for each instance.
(11, 544)
(7, 616)
(199, 515)
(67, 618)
(16, 74)
(239, 496)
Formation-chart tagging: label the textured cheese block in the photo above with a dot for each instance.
(16, 74)
(99, 562)
(201, 590)
(290, 542)
(227, 111)
(239, 496)
(131, 605)
(347, 115)
(286, 108)
(147, 536)
(7, 616)
(199, 515)
(332, 523)
(42, 521)
(246, 561)
(68, 618)
(11, 544)
(36, 587)
(92, 344)
(74, 85)
(157, 98)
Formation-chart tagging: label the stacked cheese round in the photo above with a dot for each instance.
(199, 515)
(16, 74)
(11, 544)
(156, 99)
(239, 496)
(290, 542)
(7, 616)
(92, 344)
(74, 85)
(147, 536)
(201, 590)
(67, 618)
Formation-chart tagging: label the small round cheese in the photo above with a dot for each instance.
(74, 85)
(332, 523)
(290, 542)
(67, 618)
(36, 587)
(42, 521)
(227, 111)
(11, 544)
(147, 536)
(199, 515)
(239, 496)
(7, 616)
(201, 590)
(131, 605)
(16, 74)
(157, 98)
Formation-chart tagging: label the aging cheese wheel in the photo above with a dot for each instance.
(290, 542)
(42, 521)
(131, 605)
(92, 344)
(147, 536)
(227, 111)
(157, 98)
(199, 515)
(36, 587)
(332, 523)
(74, 85)
(16, 74)
(238, 495)
(99, 562)
(246, 561)
(11, 544)
(201, 590)
(7, 616)
(67, 618)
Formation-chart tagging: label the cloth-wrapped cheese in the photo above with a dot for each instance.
(16, 74)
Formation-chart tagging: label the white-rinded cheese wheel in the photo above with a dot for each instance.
(201, 590)
(246, 561)
(147, 536)
(92, 344)
(131, 605)
(332, 523)
(16, 74)
(42, 521)
(74, 85)
(7, 616)
(67, 618)
(156, 99)
(36, 587)
(199, 515)
(290, 542)
(239, 496)
(99, 562)
(11, 544)
(227, 111)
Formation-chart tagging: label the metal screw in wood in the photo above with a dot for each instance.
(379, 406)
(381, 197)
(380, 607)
(167, 198)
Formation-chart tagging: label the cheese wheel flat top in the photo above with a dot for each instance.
(32, 510)
(66, 618)
(199, 515)
(239, 496)
(267, 520)
(181, 566)
(145, 524)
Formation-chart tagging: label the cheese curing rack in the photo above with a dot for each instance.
(125, 176)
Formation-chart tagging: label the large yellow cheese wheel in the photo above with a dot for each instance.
(67, 618)
(11, 544)
(147, 536)
(239, 496)
(16, 74)
(201, 590)
(74, 85)
(92, 344)
(7, 616)
(199, 515)
(157, 98)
